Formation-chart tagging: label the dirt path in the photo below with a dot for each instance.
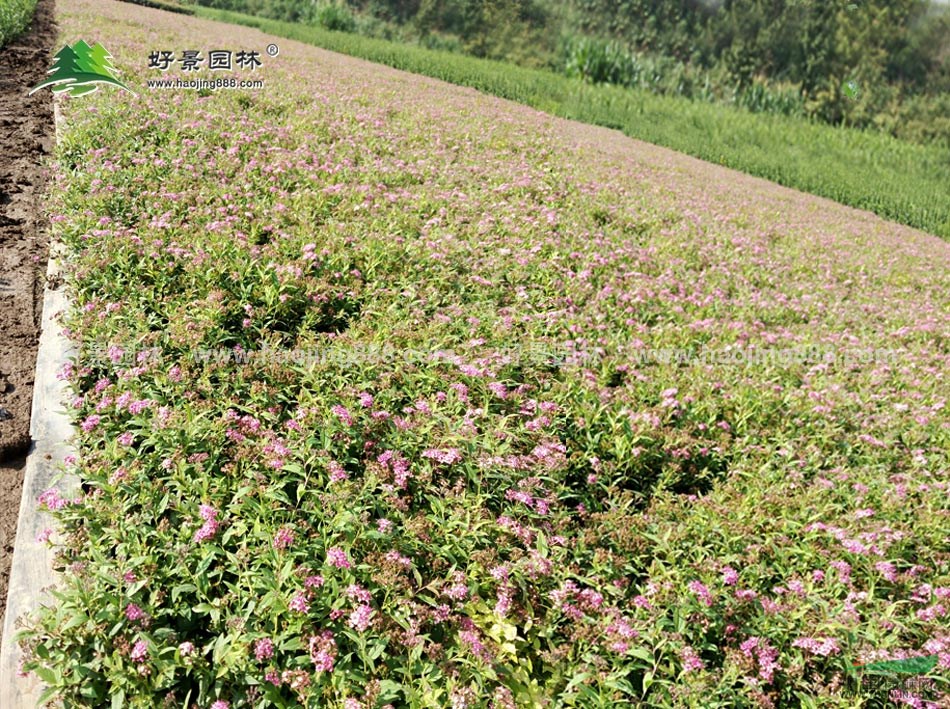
(26, 139)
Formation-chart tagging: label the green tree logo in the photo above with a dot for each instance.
(79, 69)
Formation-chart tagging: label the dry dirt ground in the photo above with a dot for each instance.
(26, 141)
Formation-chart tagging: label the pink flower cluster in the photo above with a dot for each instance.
(284, 538)
(341, 413)
(337, 473)
(691, 660)
(211, 523)
(619, 634)
(446, 456)
(51, 500)
(361, 617)
(263, 649)
(471, 638)
(337, 557)
(818, 646)
(299, 603)
(729, 576)
(323, 651)
(756, 648)
(698, 588)
(139, 651)
(398, 465)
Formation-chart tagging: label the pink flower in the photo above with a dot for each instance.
(210, 527)
(767, 656)
(51, 500)
(337, 557)
(337, 473)
(457, 592)
(729, 576)
(366, 400)
(818, 646)
(323, 651)
(691, 661)
(91, 422)
(701, 591)
(446, 456)
(263, 649)
(342, 414)
(299, 603)
(355, 592)
(139, 651)
(186, 649)
(137, 407)
(383, 525)
(642, 602)
(220, 705)
(931, 613)
(887, 570)
(133, 612)
(313, 581)
(284, 538)
(361, 618)
(619, 634)
(471, 638)
(844, 570)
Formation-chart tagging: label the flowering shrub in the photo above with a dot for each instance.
(515, 511)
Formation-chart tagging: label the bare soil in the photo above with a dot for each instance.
(26, 141)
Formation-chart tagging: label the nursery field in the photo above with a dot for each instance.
(390, 393)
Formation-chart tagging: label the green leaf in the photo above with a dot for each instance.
(47, 695)
(48, 676)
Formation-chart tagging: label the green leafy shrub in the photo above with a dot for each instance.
(15, 16)
(334, 16)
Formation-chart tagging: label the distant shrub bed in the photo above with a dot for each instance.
(902, 181)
